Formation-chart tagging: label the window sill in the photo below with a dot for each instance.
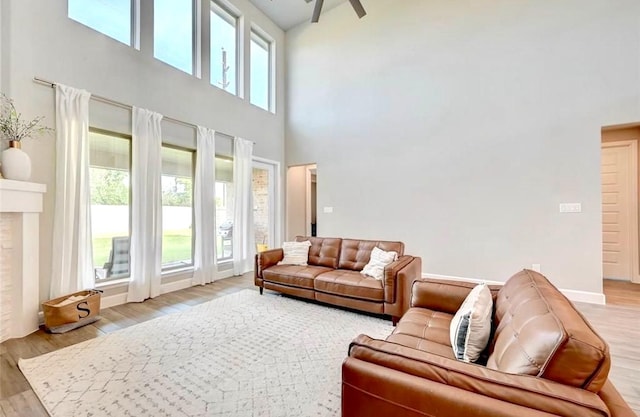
(173, 273)
(122, 282)
(269, 110)
(178, 271)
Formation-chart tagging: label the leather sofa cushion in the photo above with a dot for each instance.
(323, 251)
(421, 344)
(426, 324)
(351, 284)
(355, 254)
(425, 330)
(293, 275)
(539, 332)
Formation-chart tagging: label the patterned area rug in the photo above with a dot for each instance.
(239, 355)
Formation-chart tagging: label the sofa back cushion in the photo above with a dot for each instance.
(324, 251)
(539, 332)
(355, 254)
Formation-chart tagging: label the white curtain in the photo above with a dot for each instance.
(205, 208)
(243, 237)
(146, 206)
(72, 265)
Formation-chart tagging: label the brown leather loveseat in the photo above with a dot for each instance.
(333, 275)
(543, 359)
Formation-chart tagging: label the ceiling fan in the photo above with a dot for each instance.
(357, 6)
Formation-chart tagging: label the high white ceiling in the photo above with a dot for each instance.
(289, 13)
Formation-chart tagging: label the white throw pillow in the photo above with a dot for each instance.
(379, 259)
(295, 253)
(471, 326)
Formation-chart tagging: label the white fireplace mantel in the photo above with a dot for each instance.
(19, 254)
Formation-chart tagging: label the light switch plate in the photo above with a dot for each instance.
(570, 207)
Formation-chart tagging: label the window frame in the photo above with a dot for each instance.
(262, 39)
(229, 15)
(171, 270)
(134, 22)
(196, 29)
(129, 138)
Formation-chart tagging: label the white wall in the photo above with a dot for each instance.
(2, 50)
(39, 40)
(458, 127)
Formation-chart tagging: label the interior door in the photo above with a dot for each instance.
(619, 210)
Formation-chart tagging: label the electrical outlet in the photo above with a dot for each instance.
(570, 207)
(328, 210)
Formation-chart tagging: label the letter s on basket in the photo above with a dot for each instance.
(87, 311)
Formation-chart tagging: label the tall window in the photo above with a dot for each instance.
(260, 76)
(177, 208)
(173, 33)
(111, 17)
(224, 48)
(224, 207)
(109, 167)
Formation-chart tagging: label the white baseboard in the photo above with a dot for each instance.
(454, 278)
(121, 298)
(224, 274)
(113, 300)
(573, 295)
(585, 297)
(176, 285)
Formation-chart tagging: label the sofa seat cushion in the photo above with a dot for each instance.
(426, 330)
(426, 324)
(421, 344)
(350, 284)
(293, 275)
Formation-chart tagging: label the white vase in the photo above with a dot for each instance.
(16, 164)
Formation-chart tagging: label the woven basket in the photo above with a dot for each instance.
(86, 308)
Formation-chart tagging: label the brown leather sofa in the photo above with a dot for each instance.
(333, 275)
(544, 359)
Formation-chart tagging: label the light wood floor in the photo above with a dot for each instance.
(17, 399)
(619, 325)
(622, 293)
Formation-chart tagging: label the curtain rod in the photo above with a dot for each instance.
(115, 103)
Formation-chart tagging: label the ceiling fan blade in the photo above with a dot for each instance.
(357, 6)
(316, 11)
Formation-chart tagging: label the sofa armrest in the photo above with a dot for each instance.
(614, 401)
(391, 277)
(266, 259)
(496, 387)
(443, 295)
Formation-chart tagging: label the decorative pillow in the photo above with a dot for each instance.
(295, 253)
(471, 326)
(379, 259)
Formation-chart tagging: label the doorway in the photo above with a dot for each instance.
(312, 200)
(301, 201)
(619, 175)
(265, 211)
